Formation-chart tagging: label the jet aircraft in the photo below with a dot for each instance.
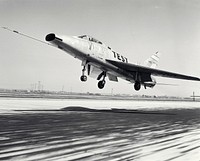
(100, 61)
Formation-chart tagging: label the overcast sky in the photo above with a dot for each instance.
(134, 28)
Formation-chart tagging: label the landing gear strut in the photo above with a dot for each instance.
(101, 83)
(83, 78)
(137, 86)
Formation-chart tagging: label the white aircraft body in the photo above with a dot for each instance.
(100, 61)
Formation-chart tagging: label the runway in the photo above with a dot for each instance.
(83, 135)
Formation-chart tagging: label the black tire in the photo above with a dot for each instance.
(83, 78)
(101, 84)
(137, 86)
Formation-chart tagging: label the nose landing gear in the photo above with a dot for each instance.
(83, 78)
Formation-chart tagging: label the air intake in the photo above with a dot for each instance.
(50, 37)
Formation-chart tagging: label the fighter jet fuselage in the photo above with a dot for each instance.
(100, 61)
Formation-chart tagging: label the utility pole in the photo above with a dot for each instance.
(193, 96)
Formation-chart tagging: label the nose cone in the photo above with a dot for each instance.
(50, 37)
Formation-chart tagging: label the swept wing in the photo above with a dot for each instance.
(132, 68)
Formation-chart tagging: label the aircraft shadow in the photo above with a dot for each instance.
(112, 110)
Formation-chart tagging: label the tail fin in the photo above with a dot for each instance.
(152, 62)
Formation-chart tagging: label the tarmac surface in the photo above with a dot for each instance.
(166, 135)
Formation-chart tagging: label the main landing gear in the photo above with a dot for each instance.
(101, 83)
(137, 86)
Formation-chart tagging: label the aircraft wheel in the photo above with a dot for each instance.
(83, 78)
(101, 84)
(137, 86)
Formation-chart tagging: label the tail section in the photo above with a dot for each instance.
(152, 62)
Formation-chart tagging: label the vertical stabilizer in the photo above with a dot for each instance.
(152, 62)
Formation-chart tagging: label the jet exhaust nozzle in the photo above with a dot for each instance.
(50, 37)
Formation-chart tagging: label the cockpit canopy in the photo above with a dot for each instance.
(87, 37)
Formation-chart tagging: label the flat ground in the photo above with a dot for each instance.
(62, 135)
